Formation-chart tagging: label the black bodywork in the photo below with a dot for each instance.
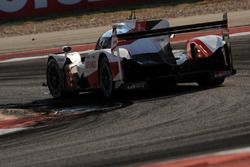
(192, 70)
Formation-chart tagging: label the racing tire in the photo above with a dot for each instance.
(211, 82)
(105, 78)
(55, 79)
(220, 62)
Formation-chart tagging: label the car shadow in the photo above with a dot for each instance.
(57, 112)
(120, 99)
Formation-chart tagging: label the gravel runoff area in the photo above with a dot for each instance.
(80, 20)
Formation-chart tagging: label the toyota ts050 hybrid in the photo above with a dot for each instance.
(138, 53)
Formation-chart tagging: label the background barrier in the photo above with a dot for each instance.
(14, 9)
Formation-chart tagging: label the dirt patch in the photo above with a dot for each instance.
(103, 18)
(12, 114)
(21, 118)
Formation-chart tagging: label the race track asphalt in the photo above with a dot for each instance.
(147, 126)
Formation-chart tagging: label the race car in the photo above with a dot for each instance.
(139, 54)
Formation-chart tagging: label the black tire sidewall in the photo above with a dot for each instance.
(106, 93)
(56, 93)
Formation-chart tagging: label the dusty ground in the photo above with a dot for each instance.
(12, 114)
(87, 20)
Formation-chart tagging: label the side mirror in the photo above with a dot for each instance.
(172, 36)
(66, 49)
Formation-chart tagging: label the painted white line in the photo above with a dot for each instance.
(240, 34)
(12, 130)
(24, 59)
(234, 151)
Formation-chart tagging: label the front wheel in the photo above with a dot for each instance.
(55, 79)
(211, 82)
(105, 78)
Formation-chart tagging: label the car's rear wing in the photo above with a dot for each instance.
(173, 30)
(222, 24)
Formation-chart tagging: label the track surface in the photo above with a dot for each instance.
(148, 127)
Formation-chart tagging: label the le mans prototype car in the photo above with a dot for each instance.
(139, 54)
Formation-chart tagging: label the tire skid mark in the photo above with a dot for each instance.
(51, 117)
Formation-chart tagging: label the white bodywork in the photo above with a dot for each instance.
(213, 42)
(89, 66)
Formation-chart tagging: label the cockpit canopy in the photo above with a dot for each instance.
(129, 26)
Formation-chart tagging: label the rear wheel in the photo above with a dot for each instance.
(105, 78)
(218, 64)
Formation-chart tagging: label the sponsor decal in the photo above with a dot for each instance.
(12, 9)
